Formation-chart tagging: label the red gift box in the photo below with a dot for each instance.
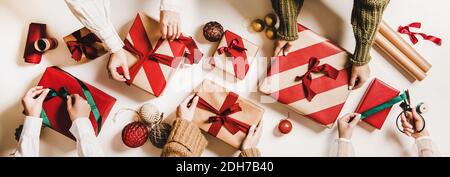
(61, 83)
(312, 79)
(83, 45)
(154, 60)
(377, 93)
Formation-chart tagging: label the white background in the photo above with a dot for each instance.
(330, 18)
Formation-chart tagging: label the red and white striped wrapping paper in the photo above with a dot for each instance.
(281, 83)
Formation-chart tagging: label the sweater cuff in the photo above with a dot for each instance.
(32, 126)
(288, 30)
(361, 56)
(188, 135)
(111, 39)
(82, 127)
(252, 152)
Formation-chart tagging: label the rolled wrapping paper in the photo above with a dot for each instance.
(398, 57)
(404, 47)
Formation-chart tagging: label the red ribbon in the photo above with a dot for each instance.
(35, 32)
(412, 35)
(222, 116)
(83, 45)
(313, 67)
(191, 47)
(234, 45)
(236, 50)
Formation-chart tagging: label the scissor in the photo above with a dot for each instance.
(406, 106)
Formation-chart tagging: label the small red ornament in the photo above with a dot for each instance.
(285, 126)
(135, 134)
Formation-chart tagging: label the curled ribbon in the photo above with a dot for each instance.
(313, 67)
(83, 45)
(222, 116)
(412, 35)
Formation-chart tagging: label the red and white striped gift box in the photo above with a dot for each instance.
(285, 78)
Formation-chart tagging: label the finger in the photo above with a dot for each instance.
(278, 49)
(163, 30)
(43, 95)
(69, 102)
(179, 30)
(416, 115)
(116, 76)
(345, 118)
(126, 72)
(194, 103)
(409, 130)
(287, 48)
(35, 93)
(355, 120)
(359, 84)
(186, 101)
(352, 82)
(175, 32)
(251, 131)
(169, 32)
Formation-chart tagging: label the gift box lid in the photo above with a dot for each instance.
(55, 107)
(377, 93)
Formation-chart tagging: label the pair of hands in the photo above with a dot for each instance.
(77, 106)
(359, 74)
(186, 111)
(347, 123)
(170, 27)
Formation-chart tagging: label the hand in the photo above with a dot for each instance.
(118, 60)
(32, 106)
(187, 112)
(415, 118)
(253, 136)
(77, 107)
(170, 25)
(282, 47)
(359, 76)
(346, 124)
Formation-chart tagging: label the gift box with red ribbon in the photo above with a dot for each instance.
(83, 45)
(61, 84)
(377, 93)
(312, 79)
(153, 60)
(225, 115)
(234, 55)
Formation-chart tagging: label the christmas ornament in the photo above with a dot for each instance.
(258, 25)
(135, 134)
(159, 134)
(213, 31)
(150, 114)
(285, 126)
(270, 33)
(270, 20)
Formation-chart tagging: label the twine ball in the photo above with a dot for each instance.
(213, 31)
(150, 114)
(135, 134)
(159, 134)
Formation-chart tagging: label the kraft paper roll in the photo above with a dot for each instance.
(404, 47)
(398, 57)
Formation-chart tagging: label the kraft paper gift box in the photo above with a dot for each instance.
(152, 60)
(61, 84)
(234, 55)
(312, 79)
(224, 114)
(377, 93)
(84, 45)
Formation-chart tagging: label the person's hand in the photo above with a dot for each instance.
(118, 60)
(253, 136)
(359, 76)
(346, 124)
(282, 47)
(408, 128)
(170, 25)
(185, 110)
(77, 107)
(32, 105)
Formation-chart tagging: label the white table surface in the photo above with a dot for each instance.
(330, 18)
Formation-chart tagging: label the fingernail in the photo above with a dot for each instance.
(350, 87)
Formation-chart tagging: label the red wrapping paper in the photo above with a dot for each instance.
(55, 108)
(377, 93)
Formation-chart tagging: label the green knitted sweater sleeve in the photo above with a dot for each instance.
(287, 11)
(366, 17)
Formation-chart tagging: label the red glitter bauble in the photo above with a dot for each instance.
(285, 126)
(135, 134)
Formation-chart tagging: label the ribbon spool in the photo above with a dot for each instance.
(422, 108)
(45, 44)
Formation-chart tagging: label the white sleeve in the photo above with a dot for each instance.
(87, 143)
(170, 5)
(426, 147)
(342, 148)
(95, 15)
(29, 139)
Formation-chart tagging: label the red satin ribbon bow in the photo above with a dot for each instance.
(192, 47)
(236, 50)
(412, 35)
(233, 45)
(83, 45)
(313, 67)
(146, 56)
(222, 117)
